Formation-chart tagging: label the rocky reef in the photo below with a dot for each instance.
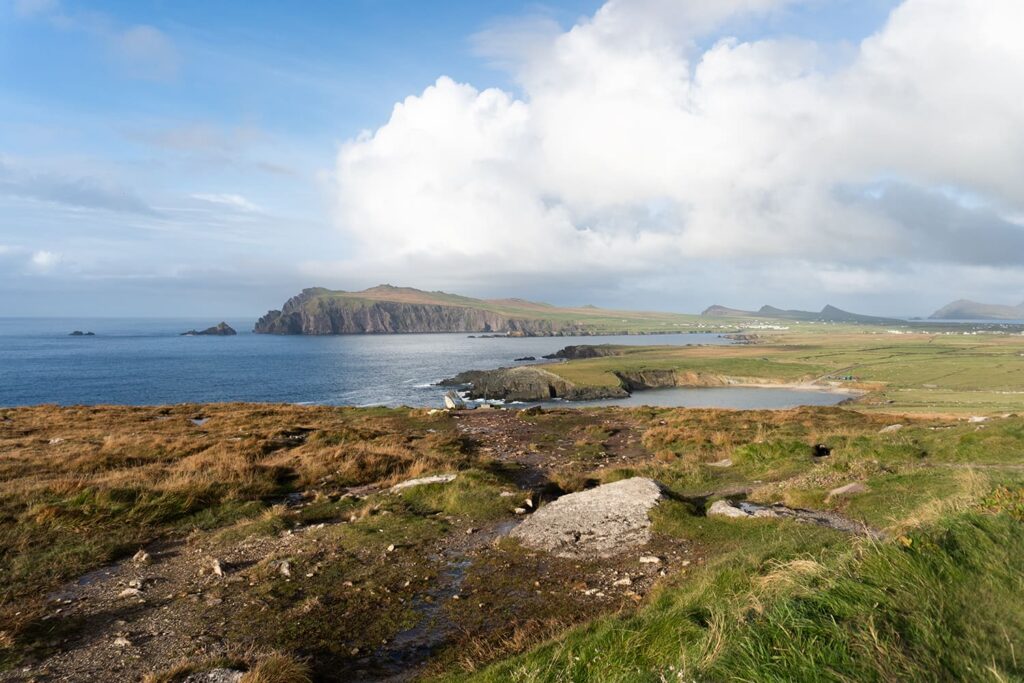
(221, 329)
(586, 351)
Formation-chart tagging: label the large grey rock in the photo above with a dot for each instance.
(597, 523)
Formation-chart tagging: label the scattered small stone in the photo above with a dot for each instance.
(624, 581)
(141, 557)
(972, 419)
(470, 531)
(650, 559)
(121, 641)
(285, 569)
(520, 511)
(129, 593)
(507, 494)
(391, 548)
(136, 583)
(216, 567)
(215, 676)
(528, 502)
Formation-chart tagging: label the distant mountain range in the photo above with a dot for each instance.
(963, 309)
(827, 314)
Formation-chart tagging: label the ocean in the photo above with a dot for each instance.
(146, 361)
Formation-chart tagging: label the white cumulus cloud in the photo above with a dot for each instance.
(628, 149)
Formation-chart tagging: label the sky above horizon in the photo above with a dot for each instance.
(195, 158)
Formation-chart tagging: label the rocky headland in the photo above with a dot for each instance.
(538, 383)
(529, 383)
(387, 309)
(384, 310)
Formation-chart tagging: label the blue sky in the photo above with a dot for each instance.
(168, 158)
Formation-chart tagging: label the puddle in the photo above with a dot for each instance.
(71, 591)
(200, 421)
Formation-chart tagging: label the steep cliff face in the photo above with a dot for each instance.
(318, 312)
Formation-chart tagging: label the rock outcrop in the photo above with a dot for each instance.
(601, 522)
(586, 351)
(747, 510)
(221, 329)
(528, 383)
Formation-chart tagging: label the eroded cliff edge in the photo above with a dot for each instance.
(317, 312)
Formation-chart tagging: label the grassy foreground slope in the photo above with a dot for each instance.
(322, 571)
(921, 373)
(940, 603)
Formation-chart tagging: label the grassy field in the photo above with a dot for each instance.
(918, 373)
(326, 573)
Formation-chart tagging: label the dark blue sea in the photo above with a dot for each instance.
(146, 361)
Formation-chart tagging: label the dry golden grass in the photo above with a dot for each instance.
(81, 486)
(278, 668)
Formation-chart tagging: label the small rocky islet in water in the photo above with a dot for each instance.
(221, 329)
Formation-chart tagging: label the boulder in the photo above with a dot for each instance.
(452, 401)
(723, 508)
(600, 522)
